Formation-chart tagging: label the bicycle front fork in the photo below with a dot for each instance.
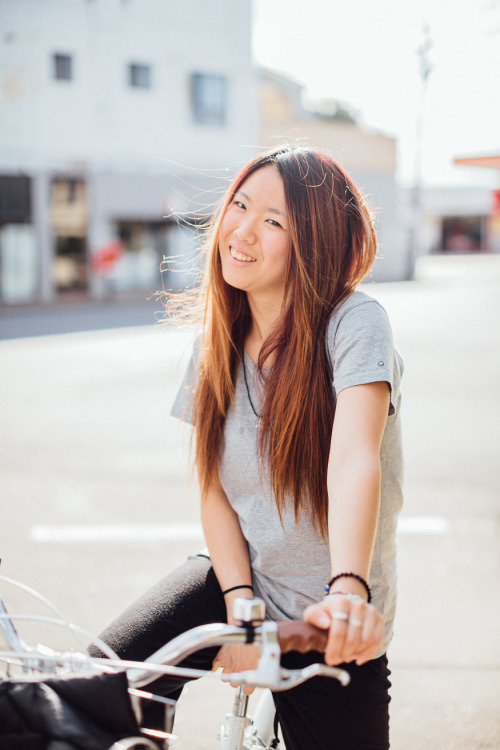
(240, 732)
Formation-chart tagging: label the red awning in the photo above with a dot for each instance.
(478, 161)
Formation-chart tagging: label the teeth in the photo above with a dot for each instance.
(241, 256)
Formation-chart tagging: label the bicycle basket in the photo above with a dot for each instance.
(84, 712)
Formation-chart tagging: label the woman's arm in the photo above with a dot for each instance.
(226, 543)
(229, 555)
(354, 498)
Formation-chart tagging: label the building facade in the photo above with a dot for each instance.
(117, 117)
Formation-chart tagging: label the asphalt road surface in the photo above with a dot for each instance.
(96, 503)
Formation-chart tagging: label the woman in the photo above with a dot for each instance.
(293, 391)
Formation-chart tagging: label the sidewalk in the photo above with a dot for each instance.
(446, 651)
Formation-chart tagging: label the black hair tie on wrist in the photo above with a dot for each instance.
(350, 575)
(234, 588)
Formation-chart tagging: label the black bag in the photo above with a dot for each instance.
(83, 712)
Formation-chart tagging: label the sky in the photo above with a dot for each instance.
(364, 53)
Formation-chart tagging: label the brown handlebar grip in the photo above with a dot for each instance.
(295, 635)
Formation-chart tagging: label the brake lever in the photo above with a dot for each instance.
(286, 678)
(292, 677)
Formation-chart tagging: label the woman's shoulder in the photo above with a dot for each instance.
(360, 345)
(357, 325)
(358, 306)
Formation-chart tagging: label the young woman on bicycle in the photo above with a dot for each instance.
(293, 391)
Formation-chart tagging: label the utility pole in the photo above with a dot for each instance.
(425, 69)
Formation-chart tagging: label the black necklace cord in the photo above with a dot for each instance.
(246, 384)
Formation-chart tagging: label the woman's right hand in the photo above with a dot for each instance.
(237, 658)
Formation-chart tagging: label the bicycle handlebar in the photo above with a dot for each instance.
(273, 639)
(296, 635)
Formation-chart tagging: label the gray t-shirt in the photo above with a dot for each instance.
(290, 562)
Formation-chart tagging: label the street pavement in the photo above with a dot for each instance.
(72, 314)
(96, 502)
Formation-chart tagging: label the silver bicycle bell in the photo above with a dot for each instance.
(249, 611)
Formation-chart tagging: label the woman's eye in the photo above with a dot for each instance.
(239, 204)
(274, 223)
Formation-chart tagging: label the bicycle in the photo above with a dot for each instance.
(40, 666)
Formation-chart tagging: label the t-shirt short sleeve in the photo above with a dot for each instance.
(361, 347)
(182, 407)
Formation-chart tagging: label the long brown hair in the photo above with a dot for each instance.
(333, 246)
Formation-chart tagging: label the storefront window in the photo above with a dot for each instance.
(462, 234)
(18, 264)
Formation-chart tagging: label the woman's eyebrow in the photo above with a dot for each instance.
(271, 210)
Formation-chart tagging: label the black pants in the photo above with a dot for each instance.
(317, 715)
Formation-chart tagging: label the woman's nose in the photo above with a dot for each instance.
(245, 231)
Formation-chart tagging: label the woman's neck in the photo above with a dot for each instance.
(264, 313)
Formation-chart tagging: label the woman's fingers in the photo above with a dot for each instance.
(334, 653)
(318, 615)
(371, 641)
(221, 660)
(356, 624)
(355, 628)
(237, 659)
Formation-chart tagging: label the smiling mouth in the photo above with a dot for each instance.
(238, 255)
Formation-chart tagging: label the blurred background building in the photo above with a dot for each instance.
(459, 220)
(113, 113)
(120, 118)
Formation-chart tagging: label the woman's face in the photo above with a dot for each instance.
(254, 237)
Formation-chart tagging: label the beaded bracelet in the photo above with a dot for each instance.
(350, 575)
(233, 588)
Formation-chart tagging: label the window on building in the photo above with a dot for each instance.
(15, 199)
(63, 68)
(139, 76)
(208, 98)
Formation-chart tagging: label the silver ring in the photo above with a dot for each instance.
(340, 616)
(355, 623)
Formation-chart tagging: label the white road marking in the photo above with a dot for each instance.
(424, 525)
(116, 532)
(432, 525)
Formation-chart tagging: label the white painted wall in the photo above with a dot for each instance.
(384, 199)
(97, 121)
